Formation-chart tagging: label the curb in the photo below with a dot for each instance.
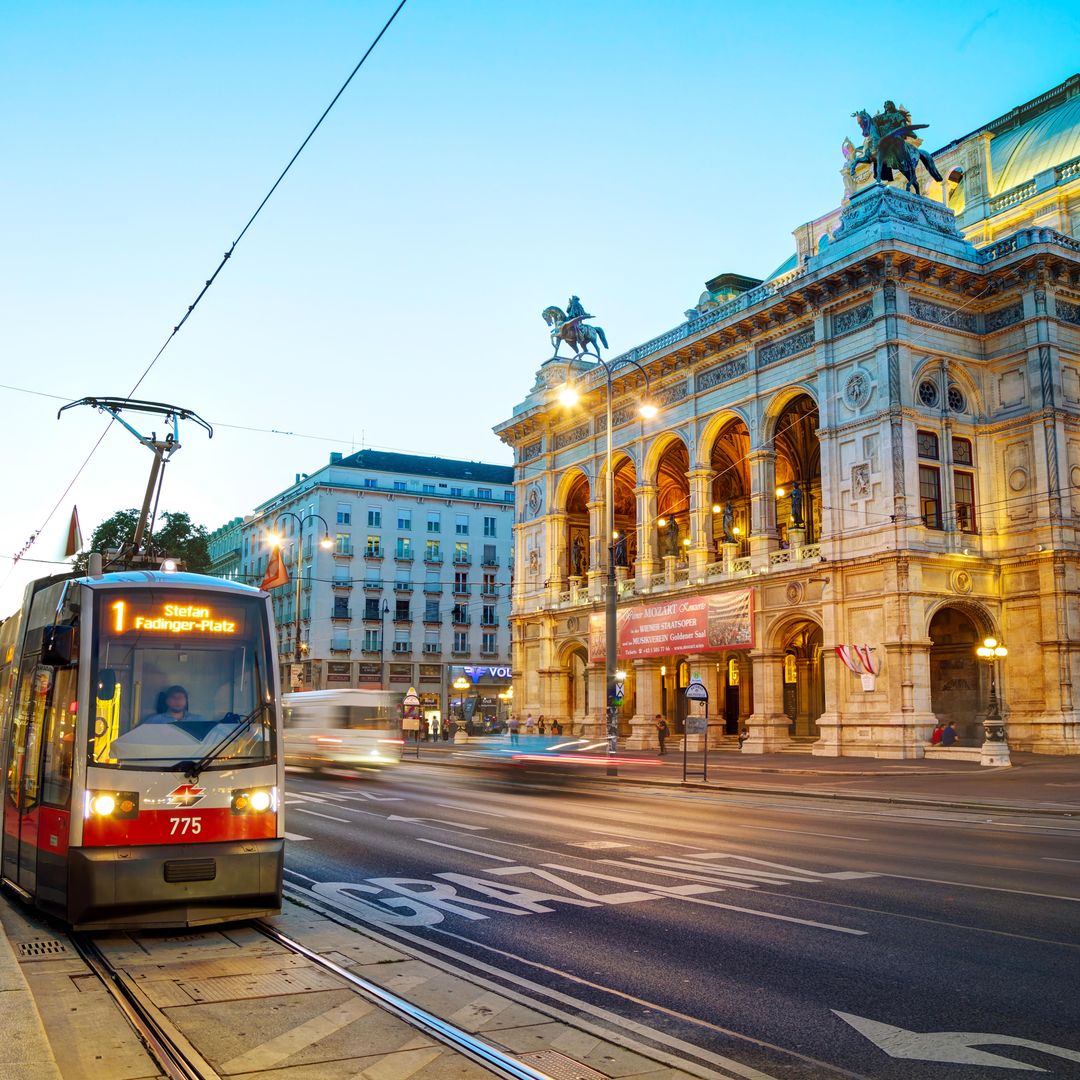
(887, 800)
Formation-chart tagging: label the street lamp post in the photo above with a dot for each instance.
(995, 747)
(569, 396)
(325, 543)
(461, 684)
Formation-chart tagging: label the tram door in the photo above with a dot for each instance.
(22, 783)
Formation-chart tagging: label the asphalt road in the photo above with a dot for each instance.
(735, 928)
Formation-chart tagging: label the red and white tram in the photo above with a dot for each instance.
(141, 751)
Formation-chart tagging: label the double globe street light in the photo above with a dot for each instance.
(569, 396)
(995, 748)
(277, 539)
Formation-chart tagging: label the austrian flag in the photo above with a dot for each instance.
(858, 659)
(276, 574)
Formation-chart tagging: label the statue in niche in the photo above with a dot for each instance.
(796, 505)
(579, 563)
(620, 550)
(727, 523)
(672, 536)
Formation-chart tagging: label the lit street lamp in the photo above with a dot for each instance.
(995, 748)
(461, 684)
(568, 396)
(325, 543)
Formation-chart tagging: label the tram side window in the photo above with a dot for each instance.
(25, 769)
(60, 740)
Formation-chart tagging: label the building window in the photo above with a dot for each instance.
(961, 452)
(404, 520)
(928, 393)
(487, 644)
(733, 672)
(489, 526)
(371, 607)
(956, 400)
(432, 551)
(341, 607)
(461, 641)
(488, 586)
(372, 580)
(403, 581)
(508, 496)
(791, 669)
(461, 553)
(343, 544)
(964, 490)
(461, 581)
(927, 443)
(434, 522)
(373, 547)
(344, 514)
(400, 485)
(404, 548)
(483, 493)
(487, 615)
(374, 517)
(372, 640)
(401, 610)
(930, 496)
(455, 492)
(428, 489)
(431, 611)
(461, 524)
(370, 483)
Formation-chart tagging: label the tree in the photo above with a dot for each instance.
(177, 538)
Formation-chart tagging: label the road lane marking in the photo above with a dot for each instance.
(315, 813)
(470, 851)
(718, 904)
(648, 840)
(1046, 858)
(469, 810)
(296, 873)
(295, 836)
(440, 821)
(798, 832)
(984, 888)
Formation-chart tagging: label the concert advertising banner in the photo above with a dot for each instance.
(689, 624)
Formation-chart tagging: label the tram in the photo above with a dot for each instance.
(357, 730)
(140, 749)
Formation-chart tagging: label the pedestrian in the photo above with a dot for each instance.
(661, 733)
(743, 736)
(445, 731)
(556, 727)
(936, 737)
(530, 724)
(541, 725)
(512, 725)
(948, 736)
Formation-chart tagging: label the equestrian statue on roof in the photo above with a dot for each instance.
(888, 146)
(570, 326)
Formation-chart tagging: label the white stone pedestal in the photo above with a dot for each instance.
(995, 754)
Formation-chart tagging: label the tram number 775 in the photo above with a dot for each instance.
(181, 826)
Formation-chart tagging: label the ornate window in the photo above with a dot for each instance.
(961, 451)
(956, 400)
(928, 393)
(928, 445)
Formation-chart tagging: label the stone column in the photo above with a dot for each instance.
(647, 564)
(701, 538)
(647, 705)
(763, 535)
(768, 723)
(597, 547)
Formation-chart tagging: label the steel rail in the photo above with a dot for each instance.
(492, 1058)
(176, 1062)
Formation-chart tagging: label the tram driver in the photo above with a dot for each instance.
(173, 707)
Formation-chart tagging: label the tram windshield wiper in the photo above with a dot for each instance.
(191, 769)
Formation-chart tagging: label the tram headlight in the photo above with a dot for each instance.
(253, 801)
(114, 804)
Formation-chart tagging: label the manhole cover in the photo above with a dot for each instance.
(599, 845)
(43, 948)
(560, 1067)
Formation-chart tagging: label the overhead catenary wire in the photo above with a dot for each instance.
(210, 281)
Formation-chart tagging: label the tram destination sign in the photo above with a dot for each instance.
(687, 624)
(170, 615)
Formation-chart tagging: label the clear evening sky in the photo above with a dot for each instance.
(490, 159)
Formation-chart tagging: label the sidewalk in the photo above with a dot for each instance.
(1036, 783)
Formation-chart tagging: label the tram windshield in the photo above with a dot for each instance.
(180, 676)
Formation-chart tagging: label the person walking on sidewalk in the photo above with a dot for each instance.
(661, 733)
(541, 725)
(530, 725)
(512, 726)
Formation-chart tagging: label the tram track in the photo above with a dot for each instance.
(179, 1059)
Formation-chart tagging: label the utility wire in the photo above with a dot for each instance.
(210, 281)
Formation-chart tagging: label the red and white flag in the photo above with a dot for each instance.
(850, 661)
(276, 574)
(865, 653)
(74, 536)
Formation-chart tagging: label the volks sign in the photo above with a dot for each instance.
(477, 673)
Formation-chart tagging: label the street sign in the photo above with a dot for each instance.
(696, 725)
(411, 699)
(696, 691)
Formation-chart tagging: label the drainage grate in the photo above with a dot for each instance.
(560, 1067)
(190, 869)
(43, 948)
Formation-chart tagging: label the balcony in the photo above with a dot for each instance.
(372, 585)
(493, 621)
(434, 619)
(490, 562)
(372, 615)
(337, 583)
(343, 551)
(341, 615)
(462, 590)
(462, 558)
(433, 588)
(340, 645)
(433, 558)
(402, 647)
(372, 553)
(489, 652)
(403, 586)
(402, 616)
(401, 555)
(459, 652)
(372, 650)
(489, 590)
(461, 619)
(432, 648)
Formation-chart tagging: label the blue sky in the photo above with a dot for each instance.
(489, 159)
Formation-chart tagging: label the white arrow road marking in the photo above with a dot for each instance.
(440, 821)
(315, 813)
(953, 1047)
(295, 836)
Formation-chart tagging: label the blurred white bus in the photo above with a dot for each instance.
(342, 729)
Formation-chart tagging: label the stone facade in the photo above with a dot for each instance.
(881, 446)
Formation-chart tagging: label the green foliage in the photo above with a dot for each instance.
(177, 538)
